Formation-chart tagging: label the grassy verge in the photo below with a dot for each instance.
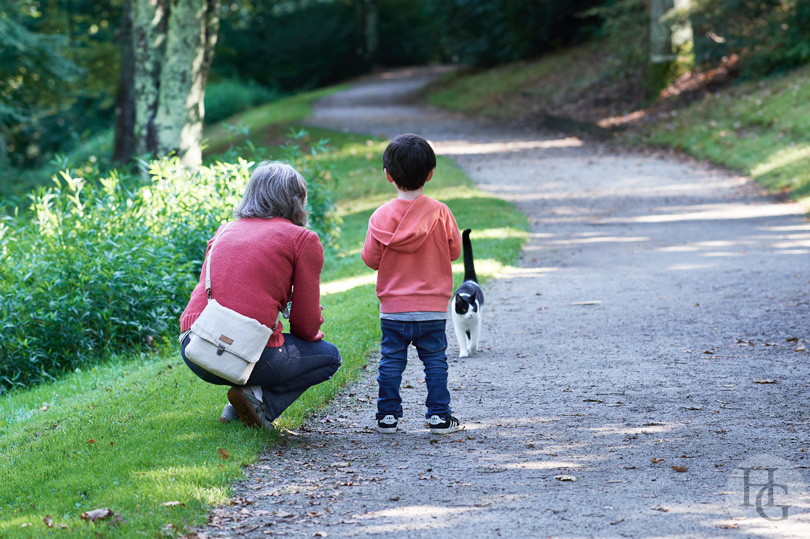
(549, 84)
(256, 123)
(139, 432)
(760, 128)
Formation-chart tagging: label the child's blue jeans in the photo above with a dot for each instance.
(430, 341)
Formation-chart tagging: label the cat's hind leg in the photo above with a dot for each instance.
(475, 332)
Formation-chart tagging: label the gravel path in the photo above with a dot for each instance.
(653, 345)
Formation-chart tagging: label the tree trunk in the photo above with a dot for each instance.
(667, 40)
(125, 144)
(174, 46)
(3, 150)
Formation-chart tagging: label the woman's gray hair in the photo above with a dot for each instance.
(275, 190)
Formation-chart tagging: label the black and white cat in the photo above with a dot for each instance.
(467, 303)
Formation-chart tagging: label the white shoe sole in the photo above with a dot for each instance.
(386, 430)
(448, 430)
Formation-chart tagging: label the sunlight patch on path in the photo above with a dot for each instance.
(466, 147)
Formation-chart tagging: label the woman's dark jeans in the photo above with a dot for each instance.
(430, 341)
(283, 373)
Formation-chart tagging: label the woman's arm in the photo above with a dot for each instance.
(305, 315)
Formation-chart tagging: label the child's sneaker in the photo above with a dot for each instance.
(443, 426)
(387, 425)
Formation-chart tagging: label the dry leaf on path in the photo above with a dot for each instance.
(765, 381)
(680, 468)
(569, 478)
(657, 461)
(48, 521)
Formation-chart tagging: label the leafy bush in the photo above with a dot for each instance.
(769, 35)
(225, 98)
(99, 268)
(293, 48)
(492, 32)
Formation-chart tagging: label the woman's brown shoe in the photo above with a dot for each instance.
(245, 405)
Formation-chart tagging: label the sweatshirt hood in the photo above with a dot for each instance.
(408, 226)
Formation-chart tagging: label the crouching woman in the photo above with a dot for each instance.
(263, 260)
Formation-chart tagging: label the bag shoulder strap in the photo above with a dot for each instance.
(208, 262)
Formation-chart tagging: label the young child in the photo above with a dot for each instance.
(411, 241)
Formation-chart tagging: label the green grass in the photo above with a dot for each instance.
(500, 92)
(255, 123)
(153, 424)
(760, 128)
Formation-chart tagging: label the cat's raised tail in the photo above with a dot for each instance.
(469, 265)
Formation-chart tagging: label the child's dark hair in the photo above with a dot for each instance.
(409, 160)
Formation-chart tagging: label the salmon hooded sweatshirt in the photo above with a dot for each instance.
(412, 243)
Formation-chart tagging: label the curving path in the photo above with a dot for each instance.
(629, 350)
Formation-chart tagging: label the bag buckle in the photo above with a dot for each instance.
(220, 349)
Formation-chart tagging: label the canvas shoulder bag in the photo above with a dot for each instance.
(222, 341)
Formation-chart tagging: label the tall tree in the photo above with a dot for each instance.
(173, 43)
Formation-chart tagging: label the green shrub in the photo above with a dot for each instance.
(769, 35)
(97, 269)
(225, 98)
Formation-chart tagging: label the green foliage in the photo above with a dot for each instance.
(102, 268)
(300, 47)
(408, 34)
(225, 98)
(626, 27)
(769, 35)
(58, 74)
(491, 32)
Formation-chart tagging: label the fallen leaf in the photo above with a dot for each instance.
(657, 461)
(320, 534)
(97, 514)
(223, 453)
(680, 468)
(434, 441)
(792, 339)
(48, 521)
(660, 508)
(765, 381)
(172, 504)
(44, 407)
(284, 514)
(728, 526)
(90, 441)
(569, 478)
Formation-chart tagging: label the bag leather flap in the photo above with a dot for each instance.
(233, 332)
